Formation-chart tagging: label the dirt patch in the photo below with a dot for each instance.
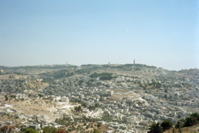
(48, 109)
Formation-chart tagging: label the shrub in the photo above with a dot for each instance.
(102, 76)
(155, 128)
(6, 98)
(180, 123)
(78, 109)
(30, 130)
(195, 115)
(190, 121)
(166, 124)
(49, 130)
(96, 131)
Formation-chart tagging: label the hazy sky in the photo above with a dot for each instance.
(162, 33)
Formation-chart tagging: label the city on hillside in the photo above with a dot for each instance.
(109, 98)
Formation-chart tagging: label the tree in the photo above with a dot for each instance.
(195, 115)
(180, 123)
(166, 124)
(30, 130)
(78, 109)
(40, 95)
(49, 130)
(6, 97)
(102, 76)
(96, 131)
(190, 121)
(155, 128)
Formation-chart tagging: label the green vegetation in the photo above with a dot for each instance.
(93, 107)
(40, 95)
(96, 131)
(107, 118)
(160, 127)
(62, 73)
(63, 121)
(180, 123)
(78, 109)
(191, 120)
(49, 76)
(102, 76)
(155, 128)
(166, 124)
(49, 130)
(30, 130)
(6, 98)
(10, 129)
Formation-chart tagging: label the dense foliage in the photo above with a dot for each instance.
(96, 131)
(10, 129)
(49, 130)
(166, 124)
(160, 127)
(155, 128)
(191, 120)
(28, 130)
(102, 76)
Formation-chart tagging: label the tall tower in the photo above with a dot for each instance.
(134, 61)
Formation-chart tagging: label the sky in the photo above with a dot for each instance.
(162, 33)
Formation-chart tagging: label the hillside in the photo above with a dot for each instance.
(123, 97)
(192, 129)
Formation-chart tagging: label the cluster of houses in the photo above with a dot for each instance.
(133, 98)
(150, 104)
